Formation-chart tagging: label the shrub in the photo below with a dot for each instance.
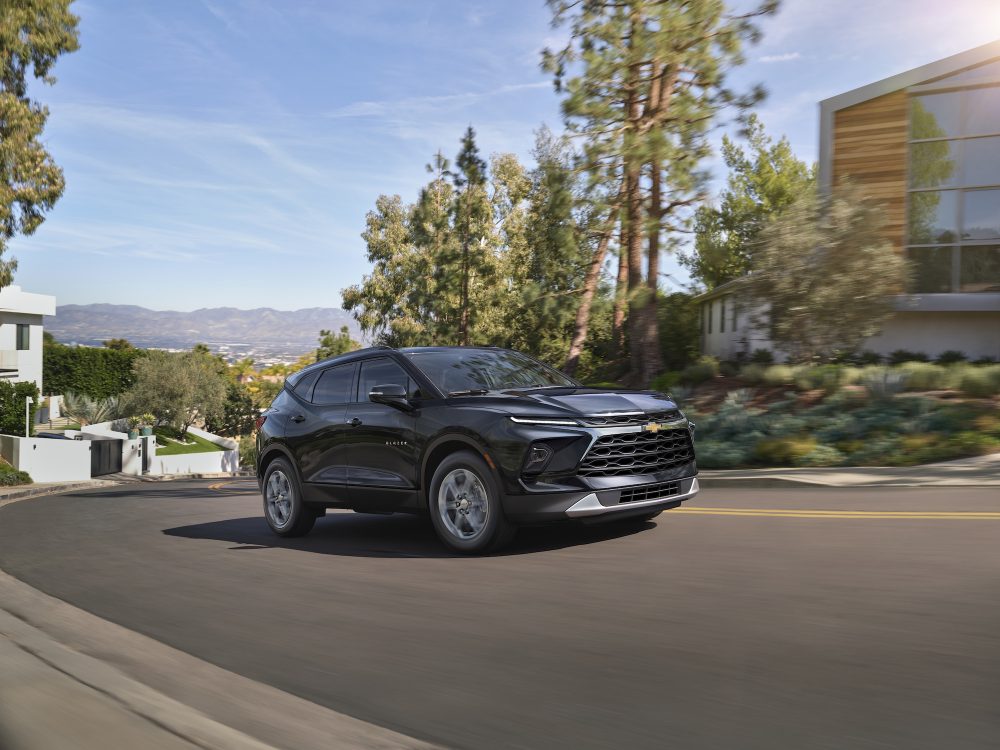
(821, 455)
(826, 377)
(779, 375)
(900, 356)
(248, 451)
(704, 369)
(985, 361)
(950, 357)
(923, 376)
(723, 454)
(784, 451)
(762, 357)
(11, 477)
(86, 410)
(752, 374)
(882, 382)
(665, 381)
(868, 357)
(980, 382)
(729, 368)
(12, 402)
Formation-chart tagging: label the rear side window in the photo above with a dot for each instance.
(303, 387)
(384, 371)
(335, 385)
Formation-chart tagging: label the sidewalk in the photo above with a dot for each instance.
(981, 471)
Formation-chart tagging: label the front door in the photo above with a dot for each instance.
(319, 436)
(384, 452)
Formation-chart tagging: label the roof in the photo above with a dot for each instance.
(13, 300)
(945, 67)
(719, 291)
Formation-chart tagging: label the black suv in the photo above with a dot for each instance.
(482, 439)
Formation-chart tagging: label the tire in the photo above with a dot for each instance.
(465, 507)
(284, 510)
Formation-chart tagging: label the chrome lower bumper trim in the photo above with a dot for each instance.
(591, 506)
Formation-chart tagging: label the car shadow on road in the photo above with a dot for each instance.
(398, 535)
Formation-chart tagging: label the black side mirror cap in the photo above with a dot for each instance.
(392, 394)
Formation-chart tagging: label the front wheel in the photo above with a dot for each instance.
(284, 510)
(465, 507)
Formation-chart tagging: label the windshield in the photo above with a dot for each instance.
(462, 370)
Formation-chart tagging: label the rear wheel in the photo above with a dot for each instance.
(465, 507)
(284, 510)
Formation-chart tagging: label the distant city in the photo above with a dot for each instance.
(265, 335)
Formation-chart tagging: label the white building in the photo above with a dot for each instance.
(924, 144)
(21, 333)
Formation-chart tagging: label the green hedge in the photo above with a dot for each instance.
(12, 403)
(99, 373)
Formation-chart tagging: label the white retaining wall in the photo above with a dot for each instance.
(215, 462)
(48, 460)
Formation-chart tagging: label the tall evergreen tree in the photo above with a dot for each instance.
(33, 34)
(643, 81)
(473, 225)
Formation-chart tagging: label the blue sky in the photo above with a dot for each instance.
(225, 152)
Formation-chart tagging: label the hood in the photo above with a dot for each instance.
(592, 401)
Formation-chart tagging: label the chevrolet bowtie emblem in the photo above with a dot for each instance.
(652, 427)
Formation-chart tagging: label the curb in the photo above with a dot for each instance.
(52, 489)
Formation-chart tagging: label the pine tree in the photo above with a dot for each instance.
(643, 81)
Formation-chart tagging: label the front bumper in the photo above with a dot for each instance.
(591, 506)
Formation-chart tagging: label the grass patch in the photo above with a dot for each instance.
(167, 443)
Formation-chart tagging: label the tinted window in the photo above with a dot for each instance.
(455, 370)
(931, 269)
(980, 268)
(935, 115)
(383, 372)
(983, 110)
(933, 217)
(304, 385)
(982, 215)
(335, 385)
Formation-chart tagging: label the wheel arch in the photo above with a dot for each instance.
(444, 446)
(271, 452)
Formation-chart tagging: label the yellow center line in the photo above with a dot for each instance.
(841, 514)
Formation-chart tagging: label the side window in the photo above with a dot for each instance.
(303, 387)
(23, 337)
(335, 385)
(383, 371)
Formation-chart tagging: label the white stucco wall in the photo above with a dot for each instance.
(975, 334)
(17, 306)
(215, 462)
(740, 334)
(48, 460)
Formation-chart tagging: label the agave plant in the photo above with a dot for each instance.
(85, 410)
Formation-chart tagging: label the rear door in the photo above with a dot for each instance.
(384, 447)
(319, 435)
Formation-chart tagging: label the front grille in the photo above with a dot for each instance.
(657, 491)
(637, 453)
(623, 420)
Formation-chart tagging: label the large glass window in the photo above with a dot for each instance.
(980, 268)
(953, 208)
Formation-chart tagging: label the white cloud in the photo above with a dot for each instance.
(784, 57)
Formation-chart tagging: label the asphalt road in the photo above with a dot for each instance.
(794, 618)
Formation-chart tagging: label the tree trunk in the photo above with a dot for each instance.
(652, 361)
(589, 287)
(463, 323)
(621, 293)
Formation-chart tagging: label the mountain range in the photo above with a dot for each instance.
(222, 328)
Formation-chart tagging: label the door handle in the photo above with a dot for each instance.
(354, 422)
(299, 418)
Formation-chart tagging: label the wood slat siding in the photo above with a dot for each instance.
(869, 147)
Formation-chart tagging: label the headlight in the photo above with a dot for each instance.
(546, 421)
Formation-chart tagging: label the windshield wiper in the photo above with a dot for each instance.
(470, 392)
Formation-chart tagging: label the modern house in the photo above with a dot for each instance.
(926, 145)
(21, 333)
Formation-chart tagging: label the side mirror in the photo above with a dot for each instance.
(392, 394)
